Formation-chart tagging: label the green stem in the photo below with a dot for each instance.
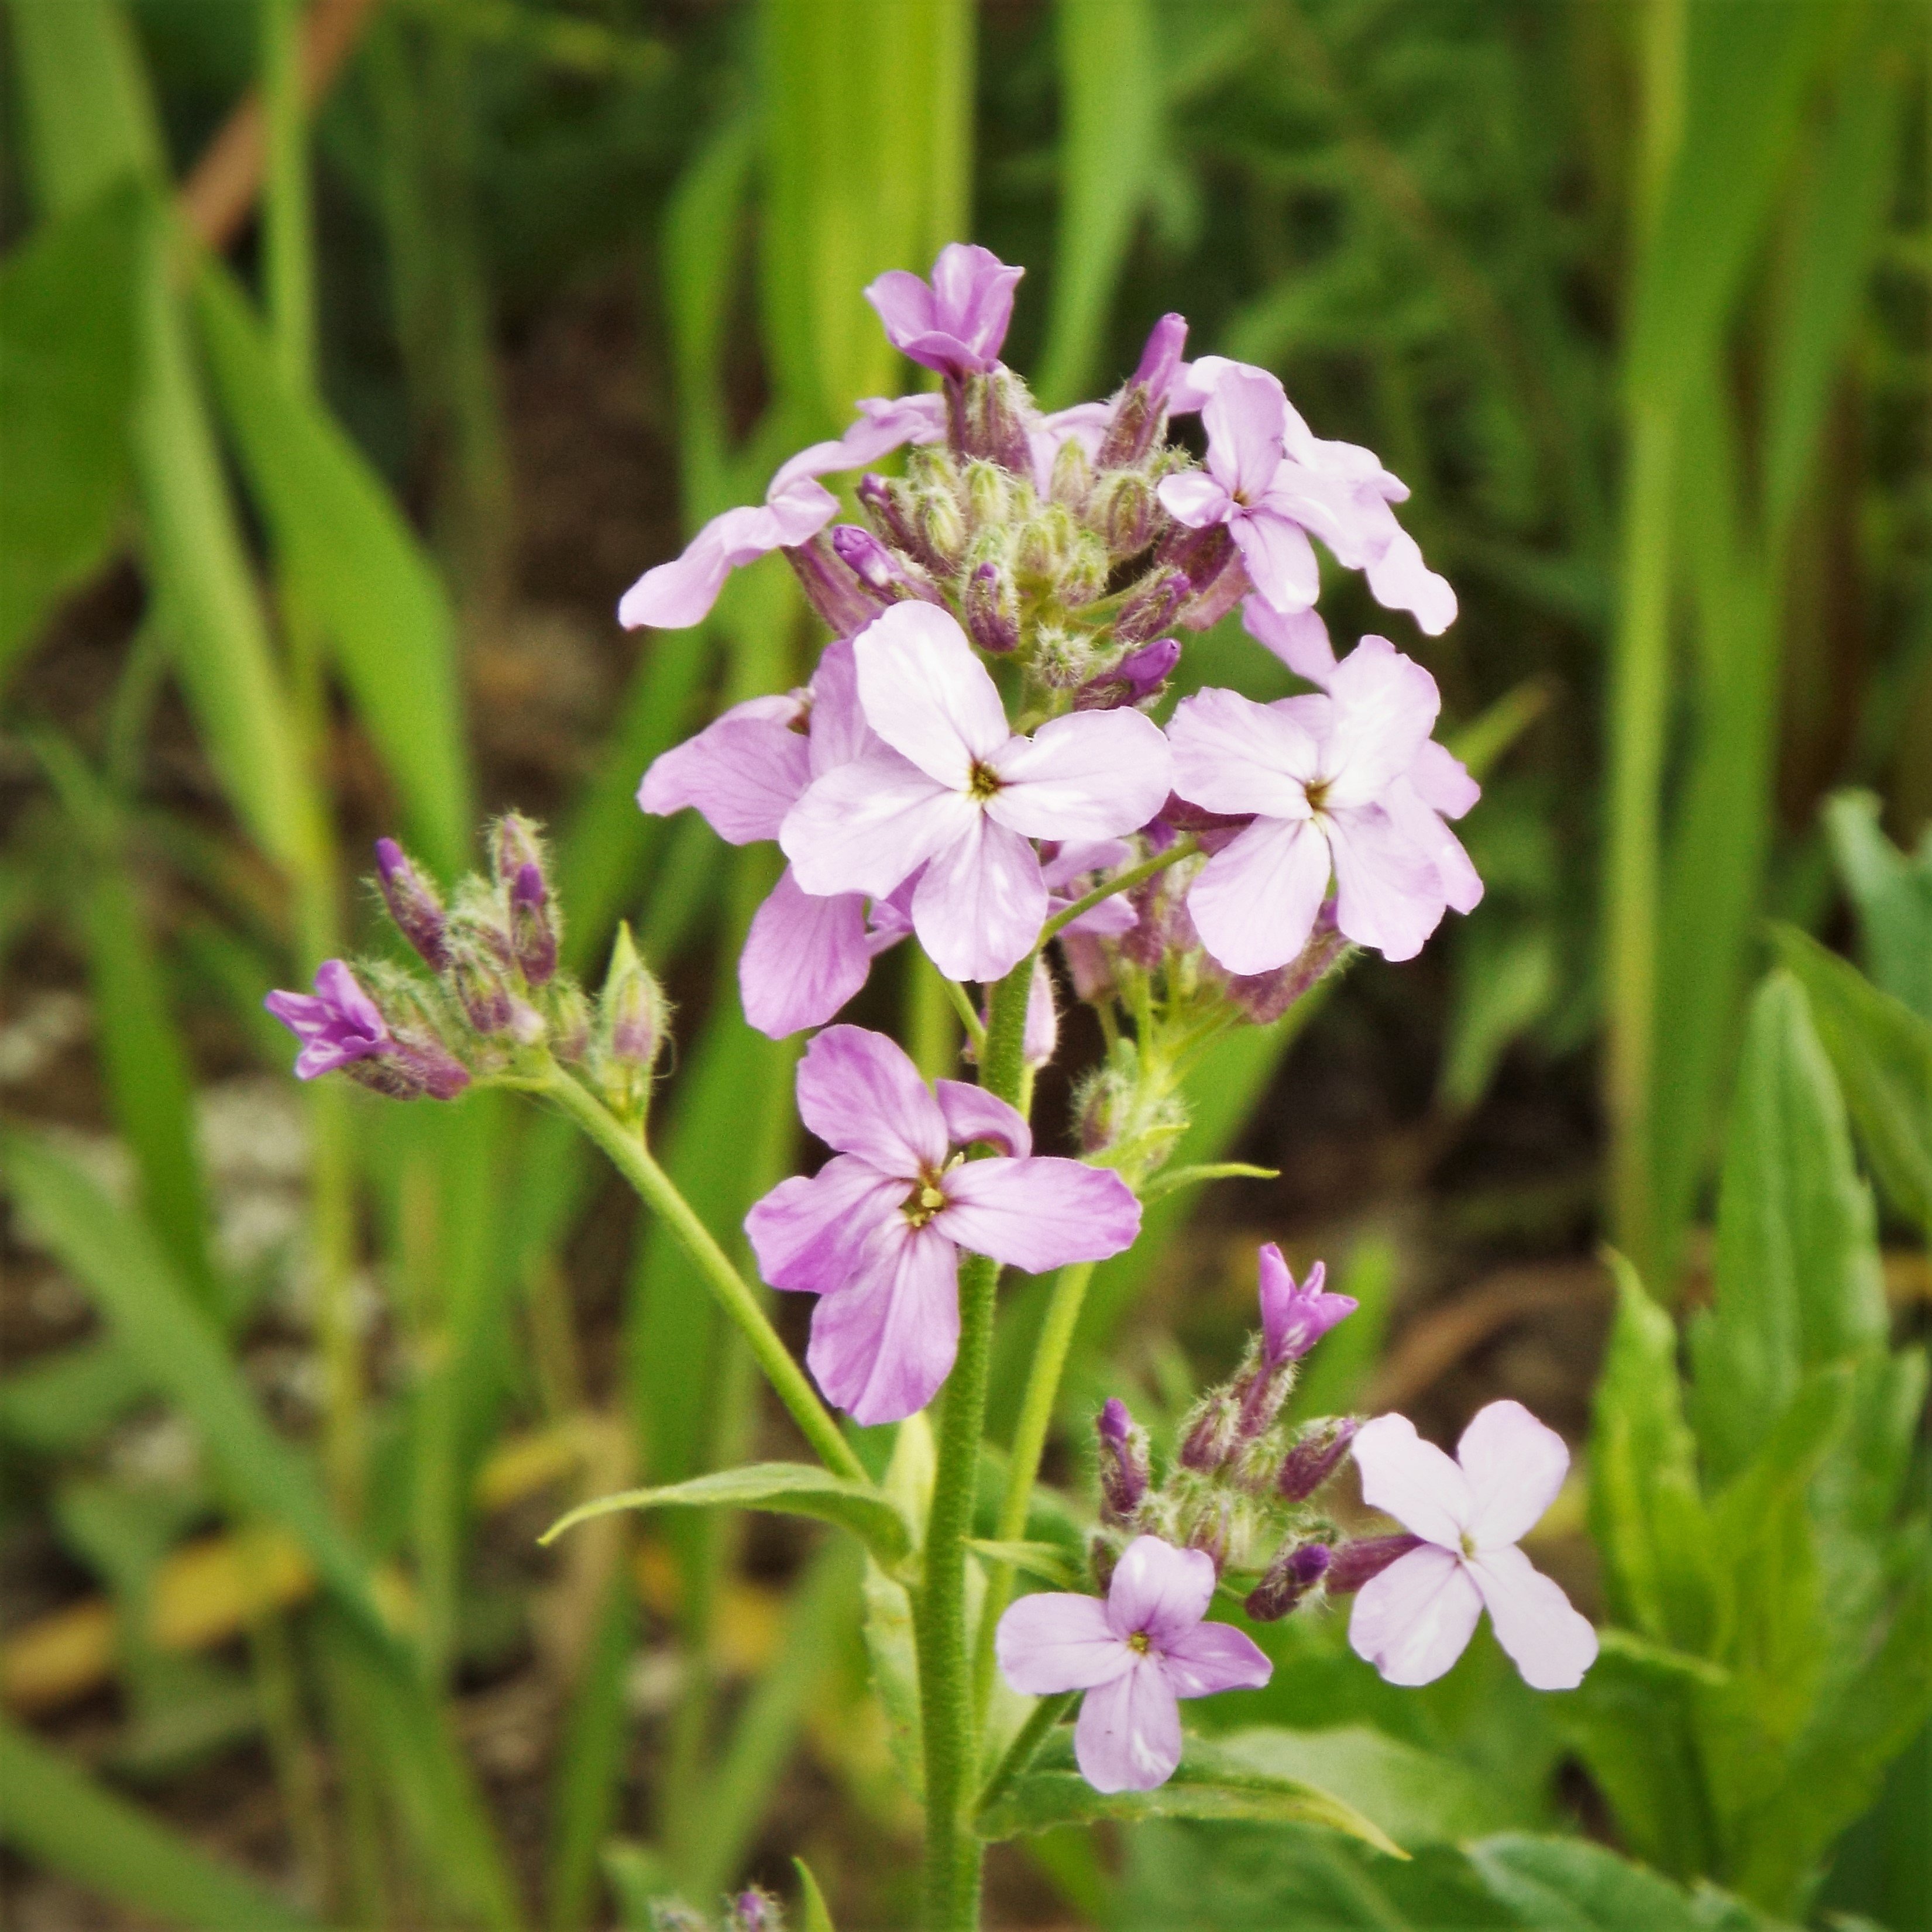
(1036, 1406)
(953, 1850)
(1121, 882)
(1025, 1747)
(632, 1160)
(962, 1005)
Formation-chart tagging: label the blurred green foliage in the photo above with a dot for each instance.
(1634, 296)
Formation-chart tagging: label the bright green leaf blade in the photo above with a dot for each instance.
(787, 1488)
(115, 1258)
(813, 1914)
(1568, 1884)
(1891, 892)
(56, 1816)
(68, 369)
(1881, 1052)
(1215, 1779)
(1796, 1274)
(1047, 1562)
(355, 567)
(60, 1402)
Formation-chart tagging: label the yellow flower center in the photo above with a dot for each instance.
(924, 1202)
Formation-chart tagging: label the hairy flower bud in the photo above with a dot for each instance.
(533, 935)
(940, 541)
(414, 904)
(1083, 577)
(1287, 1580)
(1352, 1565)
(1211, 1530)
(1140, 409)
(989, 493)
(891, 506)
(1102, 1557)
(479, 970)
(844, 601)
(1123, 1461)
(1072, 479)
(1045, 545)
(1148, 610)
(1316, 1456)
(886, 578)
(993, 410)
(1137, 678)
(1123, 512)
(1061, 658)
(630, 1028)
(991, 606)
(569, 1013)
(1211, 1432)
(416, 1062)
(754, 1909)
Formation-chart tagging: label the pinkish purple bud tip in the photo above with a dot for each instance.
(1352, 1565)
(413, 904)
(1315, 1459)
(1289, 1579)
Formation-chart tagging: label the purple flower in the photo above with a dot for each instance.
(804, 957)
(876, 1233)
(1413, 1619)
(953, 790)
(672, 596)
(1329, 779)
(956, 323)
(338, 1025)
(1134, 1655)
(1246, 418)
(1294, 1319)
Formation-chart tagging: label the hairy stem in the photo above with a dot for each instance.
(1121, 882)
(947, 1704)
(633, 1160)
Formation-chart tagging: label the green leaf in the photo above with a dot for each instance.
(892, 1653)
(59, 1817)
(1891, 892)
(1046, 1561)
(116, 1258)
(786, 1489)
(1215, 1170)
(1217, 1778)
(354, 567)
(1646, 1513)
(1881, 1052)
(61, 1402)
(68, 369)
(1796, 1275)
(1568, 1884)
(813, 1915)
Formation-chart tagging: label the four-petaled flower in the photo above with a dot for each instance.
(1294, 1318)
(956, 323)
(876, 1233)
(1134, 1653)
(954, 789)
(337, 1023)
(1413, 1620)
(1332, 780)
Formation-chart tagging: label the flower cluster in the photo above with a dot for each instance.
(1243, 1483)
(912, 789)
(495, 996)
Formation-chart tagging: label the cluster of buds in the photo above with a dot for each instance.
(1045, 534)
(754, 1909)
(496, 998)
(1244, 1485)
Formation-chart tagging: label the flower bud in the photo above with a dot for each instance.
(569, 1020)
(832, 589)
(1288, 1579)
(1083, 577)
(1149, 610)
(533, 926)
(1045, 545)
(993, 412)
(1072, 479)
(989, 496)
(991, 605)
(1210, 1437)
(1352, 1565)
(1123, 1461)
(1102, 1557)
(941, 533)
(754, 1909)
(1212, 1529)
(416, 1064)
(1061, 658)
(1123, 512)
(1263, 998)
(1316, 1456)
(630, 1028)
(889, 503)
(1140, 409)
(1137, 678)
(885, 578)
(479, 971)
(414, 904)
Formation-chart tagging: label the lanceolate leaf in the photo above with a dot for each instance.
(1215, 1779)
(787, 1488)
(1891, 892)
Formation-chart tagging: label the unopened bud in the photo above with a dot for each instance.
(1072, 479)
(1140, 408)
(630, 1029)
(993, 411)
(1083, 577)
(941, 529)
(1137, 679)
(1061, 658)
(1102, 1559)
(989, 495)
(754, 1909)
(1150, 609)
(1352, 1565)
(992, 604)
(416, 1064)
(1315, 1458)
(569, 1020)
(1123, 1461)
(1288, 1579)
(479, 972)
(884, 577)
(515, 843)
(1123, 512)
(414, 904)
(1210, 1437)
(1045, 545)
(1211, 1531)
(889, 504)
(533, 935)
(831, 587)
(1263, 998)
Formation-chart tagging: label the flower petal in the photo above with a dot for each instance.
(743, 772)
(1160, 1589)
(859, 1092)
(1412, 1481)
(674, 595)
(1054, 1641)
(1039, 1214)
(1414, 1621)
(1255, 902)
(839, 731)
(811, 1234)
(881, 1347)
(1128, 1737)
(864, 826)
(1402, 581)
(885, 423)
(1552, 1643)
(1245, 418)
(1194, 498)
(926, 695)
(1215, 1657)
(1387, 890)
(1515, 1466)
(1092, 774)
(1232, 754)
(1442, 782)
(1280, 559)
(804, 958)
(1299, 638)
(1386, 706)
(980, 905)
(972, 1114)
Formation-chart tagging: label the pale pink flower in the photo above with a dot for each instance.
(1413, 1620)
(672, 596)
(1134, 1653)
(1296, 1315)
(957, 792)
(955, 323)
